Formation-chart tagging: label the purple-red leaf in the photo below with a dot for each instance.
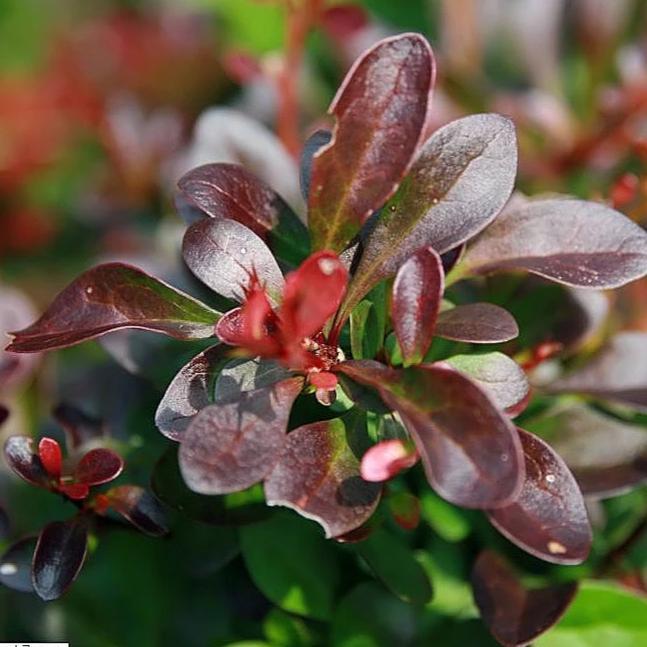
(471, 453)
(380, 109)
(225, 255)
(548, 519)
(460, 181)
(617, 373)
(98, 466)
(140, 508)
(59, 556)
(515, 615)
(498, 375)
(22, 459)
(51, 457)
(190, 391)
(417, 291)
(15, 565)
(607, 456)
(229, 447)
(318, 476)
(113, 296)
(477, 323)
(578, 243)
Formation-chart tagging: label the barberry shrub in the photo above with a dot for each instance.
(352, 349)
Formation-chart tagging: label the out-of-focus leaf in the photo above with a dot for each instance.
(98, 466)
(318, 476)
(317, 140)
(607, 456)
(15, 565)
(393, 562)
(140, 508)
(225, 255)
(23, 460)
(229, 447)
(234, 509)
(380, 109)
(79, 427)
(460, 181)
(59, 556)
(417, 291)
(369, 616)
(477, 323)
(578, 243)
(231, 191)
(601, 614)
(515, 615)
(292, 564)
(281, 628)
(617, 373)
(110, 297)
(190, 391)
(447, 521)
(499, 376)
(456, 428)
(405, 509)
(4, 414)
(548, 519)
(358, 329)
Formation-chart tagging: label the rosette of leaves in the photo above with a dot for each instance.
(384, 204)
(48, 564)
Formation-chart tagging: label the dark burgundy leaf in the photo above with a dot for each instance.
(457, 430)
(140, 508)
(617, 373)
(417, 291)
(318, 476)
(477, 323)
(460, 181)
(229, 447)
(317, 140)
(79, 427)
(380, 108)
(578, 243)
(51, 457)
(452, 257)
(113, 296)
(21, 457)
(231, 191)
(98, 466)
(15, 565)
(225, 255)
(607, 456)
(514, 615)
(548, 519)
(498, 375)
(4, 414)
(190, 391)
(59, 556)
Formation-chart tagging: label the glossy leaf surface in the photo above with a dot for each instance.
(477, 323)
(607, 456)
(98, 466)
(618, 372)
(190, 391)
(140, 508)
(515, 615)
(460, 181)
(225, 255)
(457, 430)
(229, 447)
(578, 243)
(380, 110)
(58, 558)
(318, 476)
(51, 457)
(548, 519)
(110, 297)
(231, 191)
(417, 291)
(15, 565)
(497, 374)
(21, 456)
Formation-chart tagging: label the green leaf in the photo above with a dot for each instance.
(446, 519)
(601, 614)
(292, 564)
(284, 630)
(393, 562)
